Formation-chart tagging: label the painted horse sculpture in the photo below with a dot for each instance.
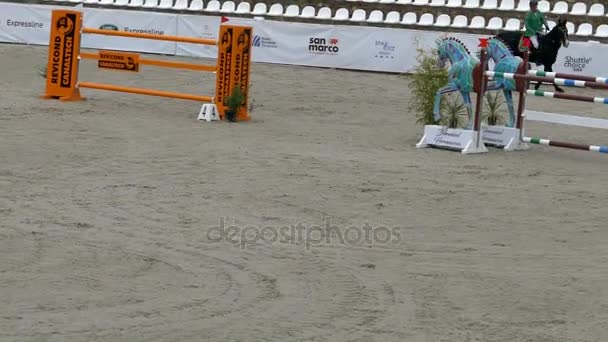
(463, 65)
(504, 61)
(460, 74)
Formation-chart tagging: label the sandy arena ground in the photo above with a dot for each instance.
(108, 209)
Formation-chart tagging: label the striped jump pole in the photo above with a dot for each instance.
(575, 146)
(572, 97)
(568, 76)
(558, 81)
(568, 120)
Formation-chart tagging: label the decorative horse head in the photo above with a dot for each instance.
(452, 49)
(498, 50)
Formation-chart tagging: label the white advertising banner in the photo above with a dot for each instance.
(26, 24)
(583, 58)
(296, 43)
(198, 26)
(130, 21)
(280, 42)
(348, 47)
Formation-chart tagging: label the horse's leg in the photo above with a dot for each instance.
(466, 97)
(558, 89)
(509, 98)
(450, 88)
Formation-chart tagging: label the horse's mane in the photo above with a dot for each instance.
(496, 38)
(457, 41)
(504, 43)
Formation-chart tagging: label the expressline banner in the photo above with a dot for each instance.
(130, 21)
(26, 24)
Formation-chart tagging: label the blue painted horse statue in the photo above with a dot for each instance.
(460, 74)
(504, 61)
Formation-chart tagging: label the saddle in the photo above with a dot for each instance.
(525, 45)
(530, 48)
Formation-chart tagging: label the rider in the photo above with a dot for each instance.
(534, 22)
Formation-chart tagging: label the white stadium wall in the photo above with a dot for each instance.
(348, 47)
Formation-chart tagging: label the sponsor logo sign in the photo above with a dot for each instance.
(233, 63)
(116, 60)
(144, 30)
(264, 42)
(448, 137)
(113, 27)
(222, 84)
(577, 63)
(241, 64)
(64, 48)
(323, 46)
(110, 27)
(24, 23)
(384, 50)
(208, 32)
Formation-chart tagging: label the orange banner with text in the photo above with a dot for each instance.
(64, 48)
(118, 60)
(233, 64)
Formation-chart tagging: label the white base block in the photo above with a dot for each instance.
(452, 139)
(501, 136)
(208, 112)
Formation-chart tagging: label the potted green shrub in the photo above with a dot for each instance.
(454, 111)
(234, 103)
(493, 115)
(426, 80)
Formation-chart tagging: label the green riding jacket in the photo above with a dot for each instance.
(534, 23)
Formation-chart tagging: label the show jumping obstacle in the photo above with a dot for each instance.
(467, 141)
(232, 68)
(513, 138)
(568, 80)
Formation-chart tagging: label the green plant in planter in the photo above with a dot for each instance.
(455, 112)
(234, 103)
(492, 113)
(426, 80)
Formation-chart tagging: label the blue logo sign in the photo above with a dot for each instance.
(257, 41)
(385, 50)
(264, 42)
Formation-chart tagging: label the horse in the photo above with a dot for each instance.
(460, 74)
(504, 61)
(548, 47)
